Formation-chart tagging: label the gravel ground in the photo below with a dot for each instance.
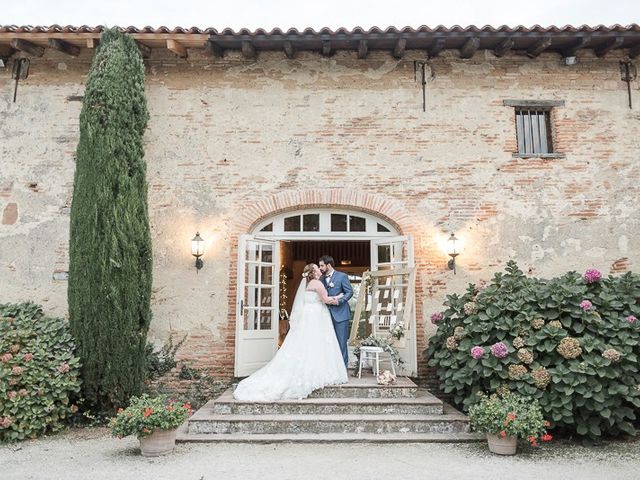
(92, 453)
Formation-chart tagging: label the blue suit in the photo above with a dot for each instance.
(340, 314)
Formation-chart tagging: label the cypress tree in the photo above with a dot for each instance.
(110, 269)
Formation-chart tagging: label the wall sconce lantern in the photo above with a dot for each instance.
(453, 250)
(197, 250)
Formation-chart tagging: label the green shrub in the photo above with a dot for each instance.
(38, 372)
(570, 342)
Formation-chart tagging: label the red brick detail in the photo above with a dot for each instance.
(10, 214)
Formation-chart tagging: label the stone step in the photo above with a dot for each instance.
(424, 403)
(366, 387)
(332, 438)
(206, 423)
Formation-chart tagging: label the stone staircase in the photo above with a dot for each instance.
(359, 411)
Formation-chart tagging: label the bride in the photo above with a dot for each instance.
(309, 357)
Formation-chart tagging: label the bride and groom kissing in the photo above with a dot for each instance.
(314, 353)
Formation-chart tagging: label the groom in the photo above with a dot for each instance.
(337, 283)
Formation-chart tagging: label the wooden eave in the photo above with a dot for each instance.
(396, 42)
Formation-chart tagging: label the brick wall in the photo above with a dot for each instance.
(232, 140)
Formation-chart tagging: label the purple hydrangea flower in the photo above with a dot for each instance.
(477, 352)
(631, 319)
(586, 305)
(436, 317)
(499, 350)
(592, 275)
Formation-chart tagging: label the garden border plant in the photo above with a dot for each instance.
(38, 372)
(571, 342)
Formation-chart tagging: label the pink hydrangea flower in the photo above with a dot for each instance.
(63, 367)
(16, 370)
(499, 350)
(12, 394)
(6, 357)
(592, 275)
(15, 348)
(477, 352)
(28, 357)
(6, 422)
(436, 317)
(586, 305)
(631, 319)
(23, 392)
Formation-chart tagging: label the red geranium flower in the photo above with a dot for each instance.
(503, 434)
(546, 437)
(147, 411)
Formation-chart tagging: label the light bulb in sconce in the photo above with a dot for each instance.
(197, 250)
(453, 250)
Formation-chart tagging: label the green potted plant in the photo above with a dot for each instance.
(505, 419)
(154, 420)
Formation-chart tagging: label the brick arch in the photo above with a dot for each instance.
(247, 217)
(387, 209)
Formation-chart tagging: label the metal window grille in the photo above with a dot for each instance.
(533, 128)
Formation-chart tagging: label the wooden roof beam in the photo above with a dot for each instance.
(363, 49)
(93, 42)
(212, 49)
(610, 45)
(248, 50)
(289, 50)
(326, 48)
(503, 47)
(27, 47)
(436, 48)
(470, 47)
(144, 50)
(177, 48)
(571, 51)
(540, 46)
(398, 50)
(64, 47)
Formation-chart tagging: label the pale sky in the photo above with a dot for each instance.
(319, 13)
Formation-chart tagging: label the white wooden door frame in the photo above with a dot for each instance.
(409, 351)
(247, 340)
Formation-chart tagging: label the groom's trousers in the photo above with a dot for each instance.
(342, 334)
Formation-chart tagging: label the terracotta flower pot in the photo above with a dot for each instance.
(502, 446)
(160, 442)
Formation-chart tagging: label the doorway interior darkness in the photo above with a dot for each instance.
(351, 257)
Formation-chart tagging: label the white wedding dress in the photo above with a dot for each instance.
(308, 359)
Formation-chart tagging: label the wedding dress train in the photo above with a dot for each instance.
(308, 359)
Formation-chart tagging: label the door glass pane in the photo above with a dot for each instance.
(382, 228)
(384, 253)
(338, 222)
(253, 251)
(267, 253)
(267, 275)
(250, 319)
(357, 224)
(311, 222)
(265, 319)
(266, 297)
(292, 224)
(267, 228)
(252, 276)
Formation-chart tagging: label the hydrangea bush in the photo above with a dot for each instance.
(38, 372)
(572, 343)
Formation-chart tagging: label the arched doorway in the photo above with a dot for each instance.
(270, 263)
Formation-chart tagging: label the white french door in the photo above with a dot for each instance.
(257, 303)
(396, 253)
